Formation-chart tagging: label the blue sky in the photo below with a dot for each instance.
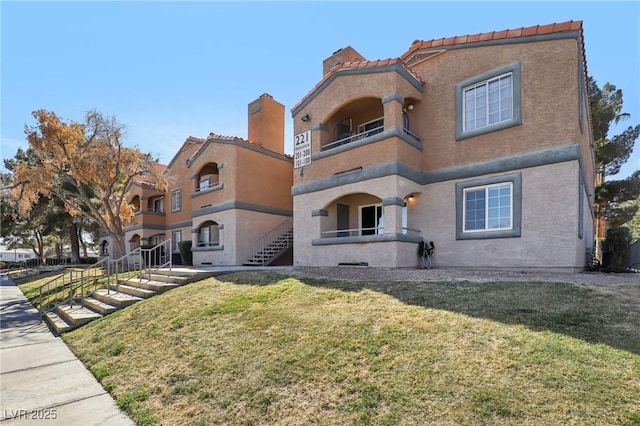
(170, 70)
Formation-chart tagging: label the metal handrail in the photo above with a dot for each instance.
(74, 285)
(62, 287)
(260, 244)
(162, 252)
(353, 137)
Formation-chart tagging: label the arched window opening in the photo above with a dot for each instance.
(208, 176)
(208, 234)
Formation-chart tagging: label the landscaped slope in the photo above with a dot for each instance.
(263, 348)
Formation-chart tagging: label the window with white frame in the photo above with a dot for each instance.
(176, 200)
(157, 205)
(489, 102)
(371, 220)
(489, 207)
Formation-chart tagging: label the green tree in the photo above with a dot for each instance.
(614, 198)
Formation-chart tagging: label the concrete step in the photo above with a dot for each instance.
(99, 306)
(58, 324)
(76, 315)
(133, 291)
(169, 278)
(120, 300)
(153, 285)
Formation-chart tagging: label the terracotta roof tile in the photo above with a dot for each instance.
(356, 65)
(495, 35)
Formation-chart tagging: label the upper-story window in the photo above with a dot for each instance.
(488, 102)
(156, 205)
(176, 200)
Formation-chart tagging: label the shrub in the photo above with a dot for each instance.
(185, 252)
(616, 248)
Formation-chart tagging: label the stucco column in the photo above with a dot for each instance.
(194, 237)
(392, 214)
(319, 136)
(393, 104)
(318, 218)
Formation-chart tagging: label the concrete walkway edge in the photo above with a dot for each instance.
(41, 380)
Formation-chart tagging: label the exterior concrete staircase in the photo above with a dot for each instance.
(101, 302)
(272, 245)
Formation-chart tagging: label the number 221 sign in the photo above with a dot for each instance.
(302, 149)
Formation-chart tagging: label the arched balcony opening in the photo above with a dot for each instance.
(208, 234)
(134, 242)
(353, 215)
(135, 202)
(208, 177)
(356, 120)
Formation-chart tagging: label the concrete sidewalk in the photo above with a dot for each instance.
(41, 381)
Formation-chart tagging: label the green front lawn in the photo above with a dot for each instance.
(267, 349)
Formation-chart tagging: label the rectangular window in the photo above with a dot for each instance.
(176, 237)
(176, 200)
(488, 102)
(488, 208)
(157, 205)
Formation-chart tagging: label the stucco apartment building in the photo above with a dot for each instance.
(479, 143)
(223, 192)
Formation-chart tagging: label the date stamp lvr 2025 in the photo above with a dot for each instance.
(39, 414)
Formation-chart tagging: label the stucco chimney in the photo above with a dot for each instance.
(340, 56)
(266, 123)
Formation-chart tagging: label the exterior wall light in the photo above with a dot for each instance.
(410, 107)
(305, 118)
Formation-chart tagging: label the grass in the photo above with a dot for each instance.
(263, 348)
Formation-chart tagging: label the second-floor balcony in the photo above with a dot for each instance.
(368, 120)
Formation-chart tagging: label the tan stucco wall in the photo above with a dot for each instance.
(241, 228)
(549, 237)
(549, 101)
(307, 228)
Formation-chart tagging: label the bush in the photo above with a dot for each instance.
(185, 252)
(616, 248)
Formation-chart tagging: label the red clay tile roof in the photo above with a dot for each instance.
(495, 35)
(216, 137)
(357, 65)
(151, 179)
